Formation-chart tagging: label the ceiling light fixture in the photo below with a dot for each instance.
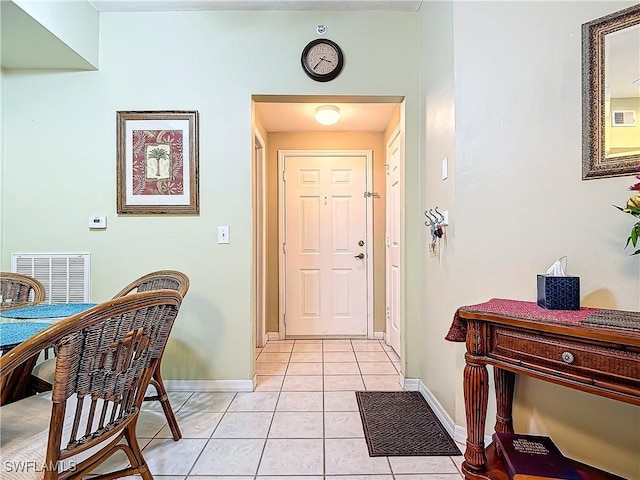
(327, 114)
(636, 83)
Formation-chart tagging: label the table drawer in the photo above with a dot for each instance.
(588, 361)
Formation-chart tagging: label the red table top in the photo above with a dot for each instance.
(531, 311)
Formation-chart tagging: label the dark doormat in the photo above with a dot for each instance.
(402, 423)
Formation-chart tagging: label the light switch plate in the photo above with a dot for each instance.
(445, 169)
(223, 234)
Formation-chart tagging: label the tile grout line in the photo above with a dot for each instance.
(339, 407)
(324, 423)
(273, 415)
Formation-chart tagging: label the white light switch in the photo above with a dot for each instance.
(445, 169)
(223, 234)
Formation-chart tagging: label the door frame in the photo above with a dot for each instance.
(282, 155)
(259, 239)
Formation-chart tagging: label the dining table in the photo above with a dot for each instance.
(20, 324)
(49, 312)
(14, 333)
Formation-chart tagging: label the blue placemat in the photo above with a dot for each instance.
(54, 310)
(17, 332)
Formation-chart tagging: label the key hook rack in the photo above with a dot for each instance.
(434, 217)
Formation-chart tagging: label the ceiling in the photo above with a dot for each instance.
(299, 116)
(182, 5)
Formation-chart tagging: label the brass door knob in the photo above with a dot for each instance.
(360, 256)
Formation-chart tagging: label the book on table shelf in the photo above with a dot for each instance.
(533, 457)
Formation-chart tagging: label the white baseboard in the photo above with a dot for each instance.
(273, 336)
(276, 336)
(209, 385)
(412, 385)
(457, 432)
(446, 421)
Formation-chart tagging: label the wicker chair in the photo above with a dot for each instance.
(19, 290)
(106, 357)
(173, 280)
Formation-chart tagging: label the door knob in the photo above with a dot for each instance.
(360, 256)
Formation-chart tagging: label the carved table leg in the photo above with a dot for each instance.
(476, 393)
(505, 382)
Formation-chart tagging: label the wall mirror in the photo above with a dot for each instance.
(611, 95)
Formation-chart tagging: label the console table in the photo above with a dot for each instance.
(593, 350)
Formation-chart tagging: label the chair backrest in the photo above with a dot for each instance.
(106, 356)
(19, 290)
(171, 279)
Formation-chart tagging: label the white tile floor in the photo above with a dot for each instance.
(301, 423)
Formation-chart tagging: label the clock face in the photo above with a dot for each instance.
(322, 60)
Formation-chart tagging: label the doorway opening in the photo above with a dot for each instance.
(287, 123)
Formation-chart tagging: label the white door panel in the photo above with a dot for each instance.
(393, 189)
(325, 214)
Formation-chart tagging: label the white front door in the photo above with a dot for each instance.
(393, 189)
(325, 243)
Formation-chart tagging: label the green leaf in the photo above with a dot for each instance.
(158, 153)
(635, 234)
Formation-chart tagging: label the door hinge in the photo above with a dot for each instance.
(284, 247)
(371, 194)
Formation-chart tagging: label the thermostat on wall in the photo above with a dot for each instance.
(98, 222)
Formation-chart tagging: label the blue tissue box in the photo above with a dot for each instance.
(559, 293)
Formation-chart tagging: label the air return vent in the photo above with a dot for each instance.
(65, 276)
(623, 118)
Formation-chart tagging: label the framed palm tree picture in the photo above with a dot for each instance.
(157, 162)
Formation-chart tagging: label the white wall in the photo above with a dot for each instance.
(61, 152)
(514, 193)
(2, 144)
(520, 202)
(49, 34)
(438, 143)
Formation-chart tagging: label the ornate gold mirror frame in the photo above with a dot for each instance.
(611, 95)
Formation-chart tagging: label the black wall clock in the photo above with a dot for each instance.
(322, 60)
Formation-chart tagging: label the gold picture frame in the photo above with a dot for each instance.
(157, 162)
(610, 66)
